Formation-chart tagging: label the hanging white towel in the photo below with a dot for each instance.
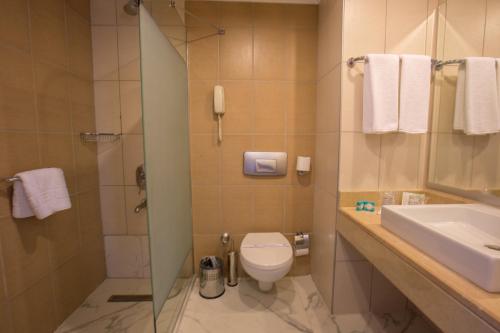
(459, 115)
(40, 193)
(481, 110)
(380, 93)
(414, 93)
(498, 81)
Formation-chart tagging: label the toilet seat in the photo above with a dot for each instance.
(266, 251)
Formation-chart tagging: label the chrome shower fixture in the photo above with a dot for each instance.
(132, 7)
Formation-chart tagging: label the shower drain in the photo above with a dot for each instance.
(130, 298)
(492, 247)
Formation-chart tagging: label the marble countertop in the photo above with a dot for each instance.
(486, 305)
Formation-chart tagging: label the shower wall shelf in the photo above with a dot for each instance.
(99, 137)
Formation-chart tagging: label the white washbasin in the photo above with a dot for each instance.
(454, 235)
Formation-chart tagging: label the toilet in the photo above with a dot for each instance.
(267, 257)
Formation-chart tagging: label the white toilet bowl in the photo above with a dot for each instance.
(267, 257)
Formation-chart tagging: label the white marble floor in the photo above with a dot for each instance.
(294, 305)
(96, 315)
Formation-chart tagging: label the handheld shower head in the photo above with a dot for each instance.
(132, 7)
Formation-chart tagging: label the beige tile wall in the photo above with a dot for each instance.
(327, 145)
(266, 62)
(117, 87)
(393, 161)
(47, 268)
(390, 161)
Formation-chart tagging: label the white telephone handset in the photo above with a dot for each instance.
(219, 106)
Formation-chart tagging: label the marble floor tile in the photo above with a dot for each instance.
(96, 315)
(294, 305)
(246, 309)
(167, 319)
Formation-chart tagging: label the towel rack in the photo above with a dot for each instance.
(440, 63)
(353, 60)
(436, 64)
(12, 179)
(364, 59)
(99, 137)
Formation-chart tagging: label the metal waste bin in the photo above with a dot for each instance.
(211, 277)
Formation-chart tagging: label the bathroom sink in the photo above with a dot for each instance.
(464, 237)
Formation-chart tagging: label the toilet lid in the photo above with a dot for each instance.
(266, 250)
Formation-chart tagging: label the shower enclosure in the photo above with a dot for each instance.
(71, 75)
(166, 149)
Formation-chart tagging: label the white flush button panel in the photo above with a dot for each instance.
(265, 163)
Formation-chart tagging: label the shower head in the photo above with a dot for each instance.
(132, 7)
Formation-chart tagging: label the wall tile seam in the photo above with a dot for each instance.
(66, 69)
(250, 185)
(18, 49)
(3, 270)
(11, 298)
(123, 25)
(427, 18)
(255, 80)
(124, 235)
(322, 76)
(484, 28)
(238, 234)
(39, 132)
(53, 266)
(87, 20)
(334, 193)
(35, 88)
(119, 81)
(385, 26)
(255, 134)
(125, 186)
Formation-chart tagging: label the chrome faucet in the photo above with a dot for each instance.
(141, 206)
(140, 177)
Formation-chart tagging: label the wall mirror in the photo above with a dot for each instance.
(463, 164)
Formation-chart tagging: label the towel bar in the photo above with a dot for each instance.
(12, 179)
(436, 64)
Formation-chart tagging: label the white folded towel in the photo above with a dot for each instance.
(40, 192)
(459, 115)
(414, 93)
(497, 61)
(380, 93)
(480, 114)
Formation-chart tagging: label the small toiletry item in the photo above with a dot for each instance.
(410, 198)
(387, 198)
(369, 206)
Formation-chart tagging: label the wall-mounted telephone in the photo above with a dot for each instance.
(219, 107)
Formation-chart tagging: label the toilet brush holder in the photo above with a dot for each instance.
(232, 274)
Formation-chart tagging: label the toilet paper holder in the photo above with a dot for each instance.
(303, 165)
(301, 241)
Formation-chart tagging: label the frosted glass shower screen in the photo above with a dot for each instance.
(166, 145)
